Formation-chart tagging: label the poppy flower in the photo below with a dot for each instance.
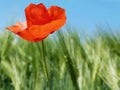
(40, 22)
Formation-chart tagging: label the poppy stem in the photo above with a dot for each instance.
(44, 62)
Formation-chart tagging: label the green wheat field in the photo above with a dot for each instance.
(63, 61)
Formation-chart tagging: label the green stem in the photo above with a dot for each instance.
(44, 62)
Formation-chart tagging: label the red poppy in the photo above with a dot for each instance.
(40, 22)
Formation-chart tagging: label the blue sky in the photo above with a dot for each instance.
(80, 13)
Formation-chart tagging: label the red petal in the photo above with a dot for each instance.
(42, 31)
(25, 34)
(27, 12)
(17, 27)
(58, 20)
(13, 28)
(39, 31)
(37, 14)
(57, 12)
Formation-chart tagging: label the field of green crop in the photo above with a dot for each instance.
(60, 62)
